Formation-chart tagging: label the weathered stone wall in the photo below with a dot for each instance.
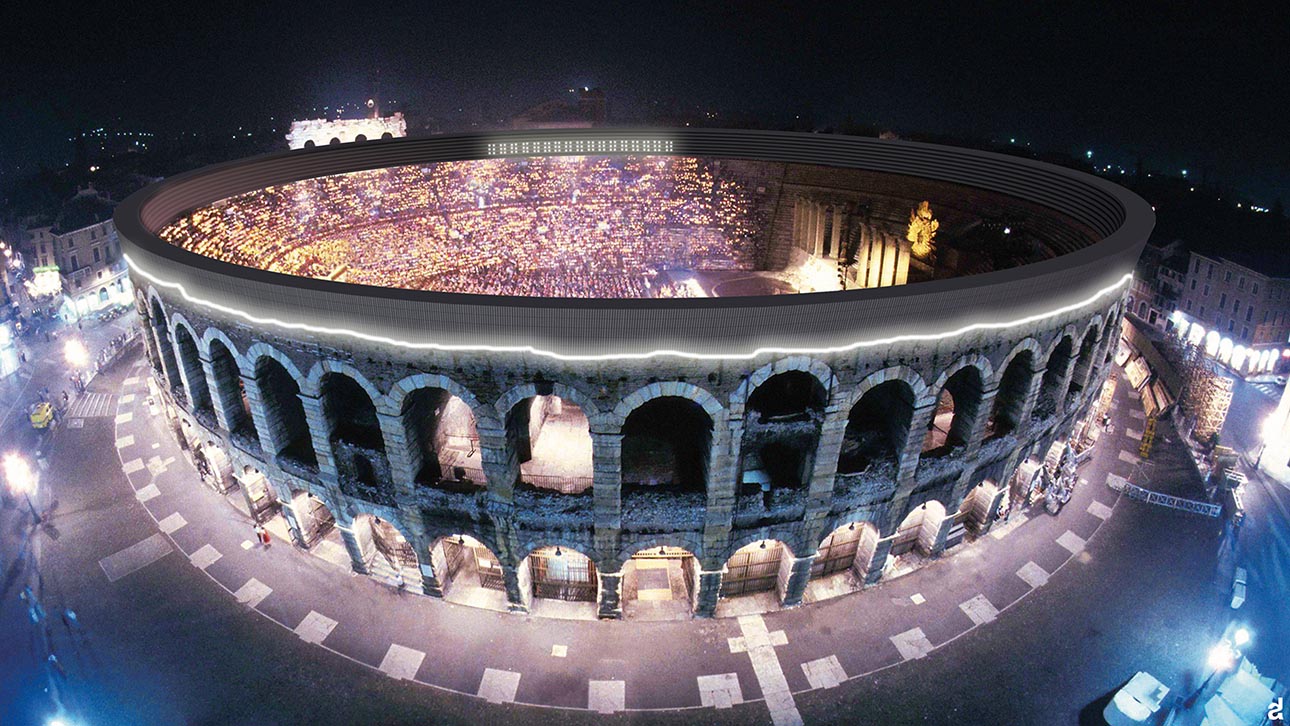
(603, 525)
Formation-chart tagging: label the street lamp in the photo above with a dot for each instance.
(20, 479)
(75, 354)
(1222, 657)
(1269, 430)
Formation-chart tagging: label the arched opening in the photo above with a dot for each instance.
(917, 535)
(442, 440)
(198, 389)
(1082, 366)
(390, 558)
(666, 442)
(552, 439)
(781, 431)
(843, 561)
(283, 412)
(360, 138)
(758, 569)
(231, 392)
(1024, 487)
(355, 432)
(103, 296)
(317, 525)
(169, 366)
(1010, 399)
(469, 573)
(659, 583)
(309, 144)
(334, 141)
(260, 501)
(564, 576)
(386, 136)
(956, 410)
(977, 508)
(1054, 370)
(877, 427)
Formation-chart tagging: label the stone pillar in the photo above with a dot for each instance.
(799, 577)
(799, 221)
(913, 448)
(356, 558)
(607, 491)
(820, 222)
(1032, 396)
(320, 435)
(709, 592)
(993, 510)
(723, 465)
(223, 387)
(293, 523)
(500, 463)
(611, 596)
(879, 561)
(191, 376)
(396, 450)
(161, 338)
(519, 586)
(836, 237)
(271, 438)
(942, 533)
(976, 434)
(1064, 383)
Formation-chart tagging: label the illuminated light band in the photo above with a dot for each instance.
(579, 146)
(445, 347)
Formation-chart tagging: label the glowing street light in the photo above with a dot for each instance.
(1222, 658)
(1271, 427)
(75, 354)
(20, 479)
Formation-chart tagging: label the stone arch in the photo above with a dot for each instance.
(680, 389)
(976, 360)
(386, 136)
(625, 552)
(878, 418)
(360, 138)
(260, 349)
(893, 373)
(312, 383)
(790, 539)
(958, 397)
(334, 141)
(309, 144)
(392, 403)
(557, 539)
(1026, 344)
(548, 430)
(212, 334)
(163, 339)
(518, 393)
(749, 568)
(188, 355)
(805, 364)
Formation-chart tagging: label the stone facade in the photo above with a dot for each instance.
(332, 417)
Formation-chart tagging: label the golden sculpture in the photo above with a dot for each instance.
(922, 231)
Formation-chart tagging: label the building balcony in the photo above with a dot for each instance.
(779, 505)
(546, 509)
(875, 484)
(662, 510)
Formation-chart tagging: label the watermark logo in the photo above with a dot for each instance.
(1276, 710)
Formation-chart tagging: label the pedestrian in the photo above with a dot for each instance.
(262, 535)
(398, 581)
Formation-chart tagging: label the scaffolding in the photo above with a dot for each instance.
(1206, 395)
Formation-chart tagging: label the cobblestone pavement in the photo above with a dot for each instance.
(186, 623)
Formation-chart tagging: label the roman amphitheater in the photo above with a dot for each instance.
(649, 374)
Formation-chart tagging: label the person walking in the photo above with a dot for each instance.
(262, 534)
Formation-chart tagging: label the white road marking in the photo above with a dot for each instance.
(918, 598)
(124, 441)
(135, 557)
(979, 610)
(147, 493)
(912, 644)
(252, 593)
(607, 696)
(204, 557)
(127, 398)
(760, 645)
(1099, 510)
(402, 663)
(132, 466)
(560, 651)
(499, 686)
(824, 673)
(1133, 434)
(172, 523)
(123, 418)
(1072, 542)
(132, 380)
(1033, 574)
(720, 691)
(315, 627)
(1128, 457)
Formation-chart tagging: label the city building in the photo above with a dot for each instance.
(1158, 282)
(1241, 309)
(322, 132)
(82, 249)
(499, 443)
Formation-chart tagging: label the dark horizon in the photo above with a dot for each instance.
(1194, 91)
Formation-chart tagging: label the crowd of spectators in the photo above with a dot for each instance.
(593, 227)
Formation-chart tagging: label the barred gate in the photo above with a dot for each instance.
(673, 553)
(564, 576)
(458, 554)
(906, 538)
(838, 552)
(318, 521)
(752, 569)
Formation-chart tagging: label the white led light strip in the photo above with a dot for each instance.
(345, 332)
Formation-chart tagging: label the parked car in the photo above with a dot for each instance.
(1238, 588)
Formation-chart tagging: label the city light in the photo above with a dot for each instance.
(1240, 637)
(1222, 656)
(75, 354)
(17, 474)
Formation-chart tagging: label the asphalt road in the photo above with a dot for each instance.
(166, 645)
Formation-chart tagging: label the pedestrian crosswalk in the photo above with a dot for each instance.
(1271, 390)
(90, 405)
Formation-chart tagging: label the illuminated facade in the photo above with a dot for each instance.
(615, 451)
(1241, 315)
(322, 132)
(83, 252)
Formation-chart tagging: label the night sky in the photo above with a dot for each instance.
(1192, 89)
